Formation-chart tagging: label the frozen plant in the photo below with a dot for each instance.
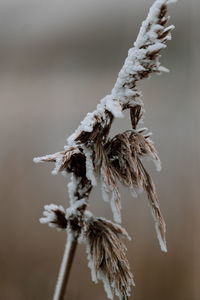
(91, 157)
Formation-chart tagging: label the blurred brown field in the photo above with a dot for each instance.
(57, 60)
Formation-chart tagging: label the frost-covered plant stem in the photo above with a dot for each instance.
(65, 267)
(91, 156)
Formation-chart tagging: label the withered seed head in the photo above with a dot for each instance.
(107, 256)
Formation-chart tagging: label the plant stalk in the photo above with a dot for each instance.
(65, 267)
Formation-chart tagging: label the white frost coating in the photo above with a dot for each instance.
(107, 287)
(104, 189)
(116, 214)
(122, 93)
(70, 240)
(37, 160)
(72, 187)
(113, 105)
(49, 215)
(90, 173)
(158, 164)
(133, 193)
(136, 55)
(152, 18)
(156, 160)
(58, 157)
(142, 129)
(44, 158)
(90, 263)
(107, 103)
(163, 245)
(157, 46)
(88, 215)
(72, 210)
(57, 165)
(93, 273)
(86, 125)
(170, 27)
(64, 173)
(163, 69)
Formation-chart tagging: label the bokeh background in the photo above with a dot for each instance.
(57, 60)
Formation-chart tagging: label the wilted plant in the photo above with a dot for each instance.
(91, 156)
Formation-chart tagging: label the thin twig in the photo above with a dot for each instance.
(65, 268)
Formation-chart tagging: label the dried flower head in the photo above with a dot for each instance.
(107, 256)
(125, 153)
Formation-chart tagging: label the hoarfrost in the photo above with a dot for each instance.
(156, 47)
(72, 187)
(57, 165)
(115, 200)
(162, 243)
(113, 105)
(45, 158)
(107, 287)
(91, 263)
(90, 173)
(73, 209)
(163, 69)
(50, 216)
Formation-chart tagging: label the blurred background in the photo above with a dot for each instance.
(57, 60)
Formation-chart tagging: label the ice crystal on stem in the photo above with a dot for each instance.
(91, 156)
(54, 216)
